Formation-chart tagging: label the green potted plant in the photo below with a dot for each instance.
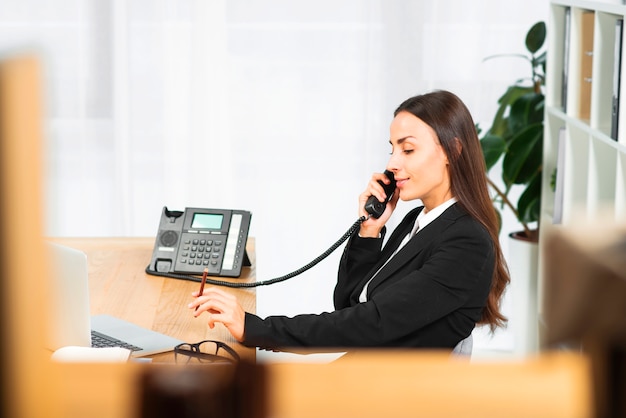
(515, 138)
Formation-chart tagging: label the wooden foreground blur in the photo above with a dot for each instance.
(371, 385)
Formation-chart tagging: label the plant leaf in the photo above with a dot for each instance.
(500, 124)
(535, 37)
(540, 60)
(529, 203)
(493, 147)
(524, 157)
(526, 110)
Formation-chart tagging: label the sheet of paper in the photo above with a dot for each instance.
(91, 355)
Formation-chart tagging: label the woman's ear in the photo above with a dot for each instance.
(456, 149)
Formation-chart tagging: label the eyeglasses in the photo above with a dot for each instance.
(207, 351)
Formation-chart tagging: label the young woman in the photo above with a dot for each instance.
(441, 271)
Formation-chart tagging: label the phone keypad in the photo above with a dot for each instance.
(198, 253)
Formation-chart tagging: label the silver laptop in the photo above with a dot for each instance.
(71, 323)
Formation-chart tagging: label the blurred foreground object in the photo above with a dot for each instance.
(28, 388)
(219, 390)
(585, 305)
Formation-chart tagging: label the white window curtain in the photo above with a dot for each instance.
(278, 107)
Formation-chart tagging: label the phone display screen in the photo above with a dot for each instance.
(207, 221)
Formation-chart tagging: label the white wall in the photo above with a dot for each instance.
(278, 107)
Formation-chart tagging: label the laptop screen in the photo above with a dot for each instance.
(69, 316)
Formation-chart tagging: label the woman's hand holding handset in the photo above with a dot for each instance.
(371, 228)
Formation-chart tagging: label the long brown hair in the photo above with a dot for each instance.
(448, 116)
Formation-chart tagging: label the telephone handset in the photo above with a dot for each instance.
(189, 241)
(373, 206)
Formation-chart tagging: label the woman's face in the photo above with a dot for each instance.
(418, 161)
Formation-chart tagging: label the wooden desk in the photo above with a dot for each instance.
(119, 286)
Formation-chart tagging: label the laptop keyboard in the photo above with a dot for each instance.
(99, 340)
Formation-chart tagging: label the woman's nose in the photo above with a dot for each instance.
(392, 165)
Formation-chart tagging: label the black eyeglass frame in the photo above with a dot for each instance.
(195, 352)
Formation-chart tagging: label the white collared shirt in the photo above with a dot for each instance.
(422, 220)
(425, 218)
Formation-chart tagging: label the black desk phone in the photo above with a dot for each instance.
(189, 241)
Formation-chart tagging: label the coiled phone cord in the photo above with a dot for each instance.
(297, 272)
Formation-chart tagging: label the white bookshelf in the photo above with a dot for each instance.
(594, 174)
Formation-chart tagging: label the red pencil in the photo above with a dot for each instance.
(204, 274)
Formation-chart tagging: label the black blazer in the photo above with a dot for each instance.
(430, 295)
